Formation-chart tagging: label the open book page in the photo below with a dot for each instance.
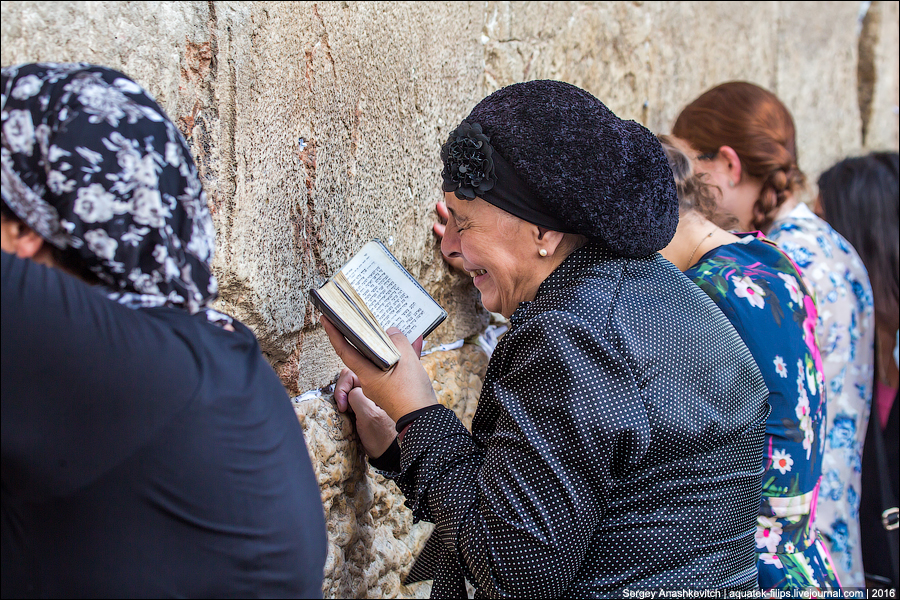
(350, 309)
(389, 291)
(340, 280)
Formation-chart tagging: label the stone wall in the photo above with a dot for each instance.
(316, 126)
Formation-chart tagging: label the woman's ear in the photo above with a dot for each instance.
(732, 163)
(548, 239)
(20, 239)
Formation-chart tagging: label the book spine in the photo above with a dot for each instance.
(347, 332)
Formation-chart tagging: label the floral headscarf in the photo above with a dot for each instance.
(91, 162)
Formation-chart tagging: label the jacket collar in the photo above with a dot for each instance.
(579, 264)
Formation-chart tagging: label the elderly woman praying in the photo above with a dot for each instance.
(618, 438)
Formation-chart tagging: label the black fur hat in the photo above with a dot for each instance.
(603, 177)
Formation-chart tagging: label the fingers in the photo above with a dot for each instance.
(375, 428)
(345, 383)
(360, 404)
(349, 355)
(441, 209)
(402, 389)
(443, 215)
(417, 345)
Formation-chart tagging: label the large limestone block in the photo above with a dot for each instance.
(821, 94)
(879, 72)
(338, 118)
(371, 537)
(146, 40)
(600, 46)
(696, 45)
(646, 60)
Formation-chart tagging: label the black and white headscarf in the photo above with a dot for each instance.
(91, 162)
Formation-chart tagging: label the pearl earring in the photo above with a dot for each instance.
(543, 252)
(730, 183)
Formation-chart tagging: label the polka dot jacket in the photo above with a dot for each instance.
(617, 444)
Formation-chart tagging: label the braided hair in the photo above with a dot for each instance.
(759, 128)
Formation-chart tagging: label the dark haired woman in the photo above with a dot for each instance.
(603, 455)
(859, 198)
(149, 450)
(762, 293)
(744, 139)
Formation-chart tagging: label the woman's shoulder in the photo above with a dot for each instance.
(812, 241)
(609, 286)
(753, 254)
(626, 302)
(211, 340)
(759, 289)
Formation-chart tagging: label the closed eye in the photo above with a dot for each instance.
(459, 223)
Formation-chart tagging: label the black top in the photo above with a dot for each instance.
(880, 491)
(617, 444)
(146, 453)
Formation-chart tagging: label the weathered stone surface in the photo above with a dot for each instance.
(316, 127)
(335, 123)
(372, 539)
(880, 33)
(456, 377)
(826, 120)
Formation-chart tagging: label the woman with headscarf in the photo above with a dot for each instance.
(148, 449)
(618, 438)
(743, 138)
(761, 291)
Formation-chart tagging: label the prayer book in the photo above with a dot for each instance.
(371, 293)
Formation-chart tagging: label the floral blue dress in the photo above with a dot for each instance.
(763, 295)
(846, 334)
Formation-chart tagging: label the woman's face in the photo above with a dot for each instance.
(498, 251)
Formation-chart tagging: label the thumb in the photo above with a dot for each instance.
(402, 344)
(349, 355)
(360, 404)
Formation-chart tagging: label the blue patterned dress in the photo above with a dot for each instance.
(846, 334)
(763, 295)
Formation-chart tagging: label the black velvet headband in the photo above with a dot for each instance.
(473, 168)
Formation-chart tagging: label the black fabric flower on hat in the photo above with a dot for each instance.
(468, 162)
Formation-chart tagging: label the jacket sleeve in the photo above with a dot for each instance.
(519, 511)
(85, 380)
